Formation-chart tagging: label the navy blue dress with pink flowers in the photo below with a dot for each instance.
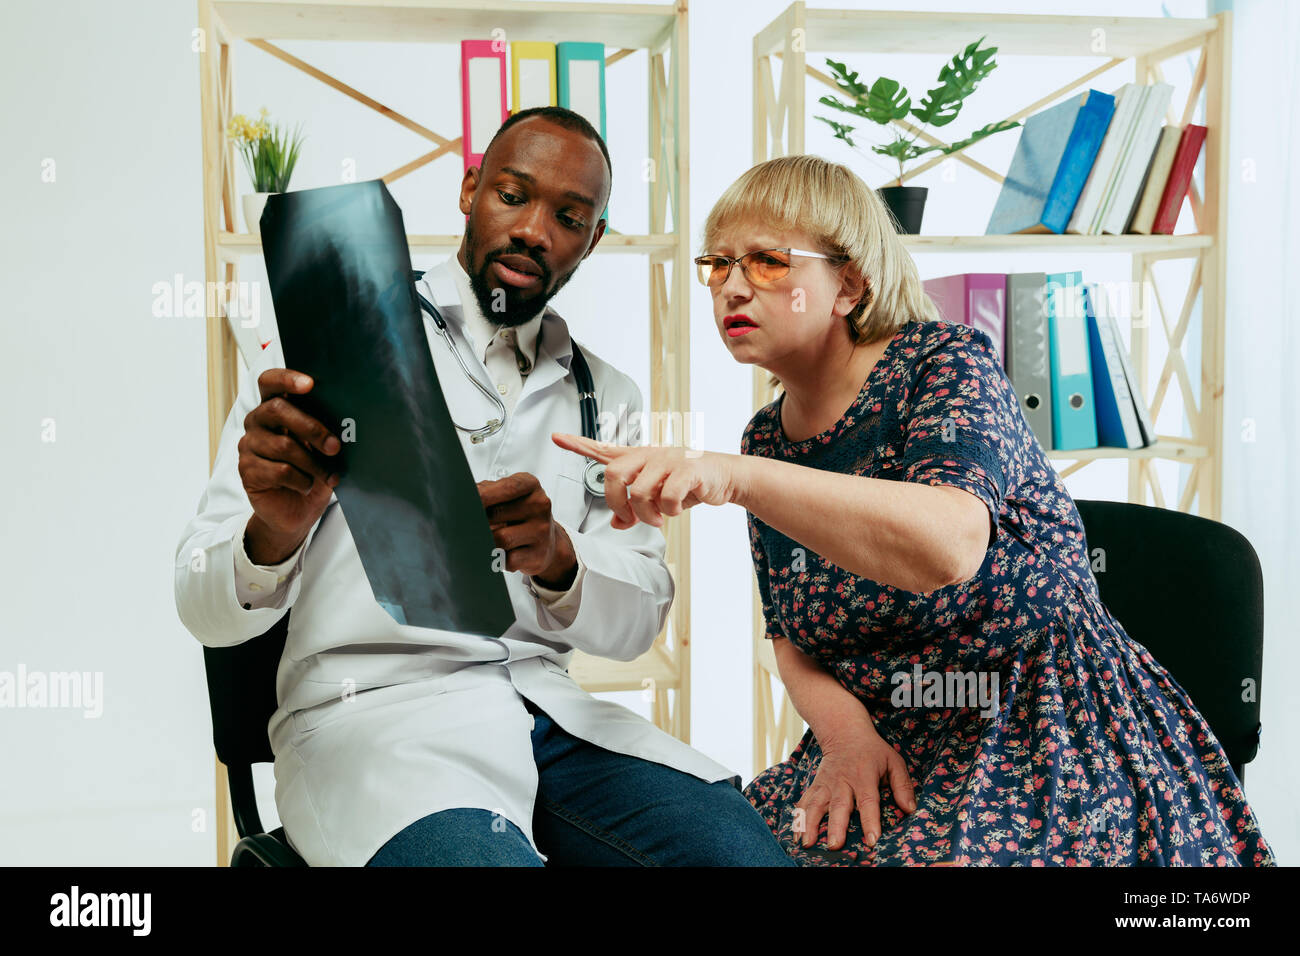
(1093, 753)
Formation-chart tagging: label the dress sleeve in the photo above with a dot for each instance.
(961, 431)
(771, 626)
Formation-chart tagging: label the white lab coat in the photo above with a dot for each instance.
(380, 724)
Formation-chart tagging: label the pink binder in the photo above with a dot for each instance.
(975, 299)
(482, 96)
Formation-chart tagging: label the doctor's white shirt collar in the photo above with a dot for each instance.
(481, 330)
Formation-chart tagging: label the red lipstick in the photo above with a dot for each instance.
(738, 324)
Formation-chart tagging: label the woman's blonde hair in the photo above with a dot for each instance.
(846, 220)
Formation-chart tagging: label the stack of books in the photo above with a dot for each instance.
(1058, 339)
(1098, 164)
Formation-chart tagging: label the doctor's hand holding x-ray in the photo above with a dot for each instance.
(284, 466)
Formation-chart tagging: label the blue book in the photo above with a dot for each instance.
(1074, 412)
(1117, 420)
(1052, 161)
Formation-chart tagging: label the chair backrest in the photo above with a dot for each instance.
(1190, 590)
(241, 694)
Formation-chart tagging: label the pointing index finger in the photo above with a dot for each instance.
(599, 450)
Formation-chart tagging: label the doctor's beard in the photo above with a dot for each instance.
(517, 310)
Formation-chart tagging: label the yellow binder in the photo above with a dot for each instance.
(532, 75)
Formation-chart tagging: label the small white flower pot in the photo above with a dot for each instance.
(253, 204)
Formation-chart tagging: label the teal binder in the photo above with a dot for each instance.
(1074, 410)
(587, 97)
(580, 85)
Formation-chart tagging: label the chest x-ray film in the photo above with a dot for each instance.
(348, 316)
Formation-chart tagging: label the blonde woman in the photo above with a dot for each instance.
(923, 572)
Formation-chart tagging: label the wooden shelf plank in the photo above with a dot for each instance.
(1171, 448)
(633, 26)
(1188, 244)
(242, 243)
(596, 674)
(886, 31)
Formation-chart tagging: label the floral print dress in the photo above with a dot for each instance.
(1089, 753)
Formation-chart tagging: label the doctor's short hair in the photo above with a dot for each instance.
(846, 219)
(565, 119)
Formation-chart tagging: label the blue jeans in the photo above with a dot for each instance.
(597, 808)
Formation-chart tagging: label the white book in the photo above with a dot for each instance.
(1125, 146)
(1139, 406)
(1153, 187)
(1103, 167)
(1134, 168)
(1111, 347)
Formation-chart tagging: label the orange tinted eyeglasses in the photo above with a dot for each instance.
(762, 267)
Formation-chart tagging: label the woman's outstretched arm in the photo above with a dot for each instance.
(905, 534)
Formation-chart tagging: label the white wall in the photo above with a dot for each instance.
(93, 517)
(1261, 418)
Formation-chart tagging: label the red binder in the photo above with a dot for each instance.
(1180, 178)
(482, 96)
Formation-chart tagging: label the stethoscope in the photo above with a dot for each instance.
(593, 477)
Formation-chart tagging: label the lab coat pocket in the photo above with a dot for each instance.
(372, 679)
(554, 666)
(570, 500)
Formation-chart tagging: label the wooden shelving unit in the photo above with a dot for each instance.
(661, 30)
(779, 118)
(232, 245)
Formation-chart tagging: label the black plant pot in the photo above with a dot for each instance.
(907, 203)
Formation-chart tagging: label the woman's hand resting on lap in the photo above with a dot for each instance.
(853, 764)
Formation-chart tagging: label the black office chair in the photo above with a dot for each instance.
(241, 694)
(1190, 591)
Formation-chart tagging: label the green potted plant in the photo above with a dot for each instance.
(269, 156)
(886, 100)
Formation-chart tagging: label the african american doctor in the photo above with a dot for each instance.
(401, 745)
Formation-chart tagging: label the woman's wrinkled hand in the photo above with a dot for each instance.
(848, 778)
